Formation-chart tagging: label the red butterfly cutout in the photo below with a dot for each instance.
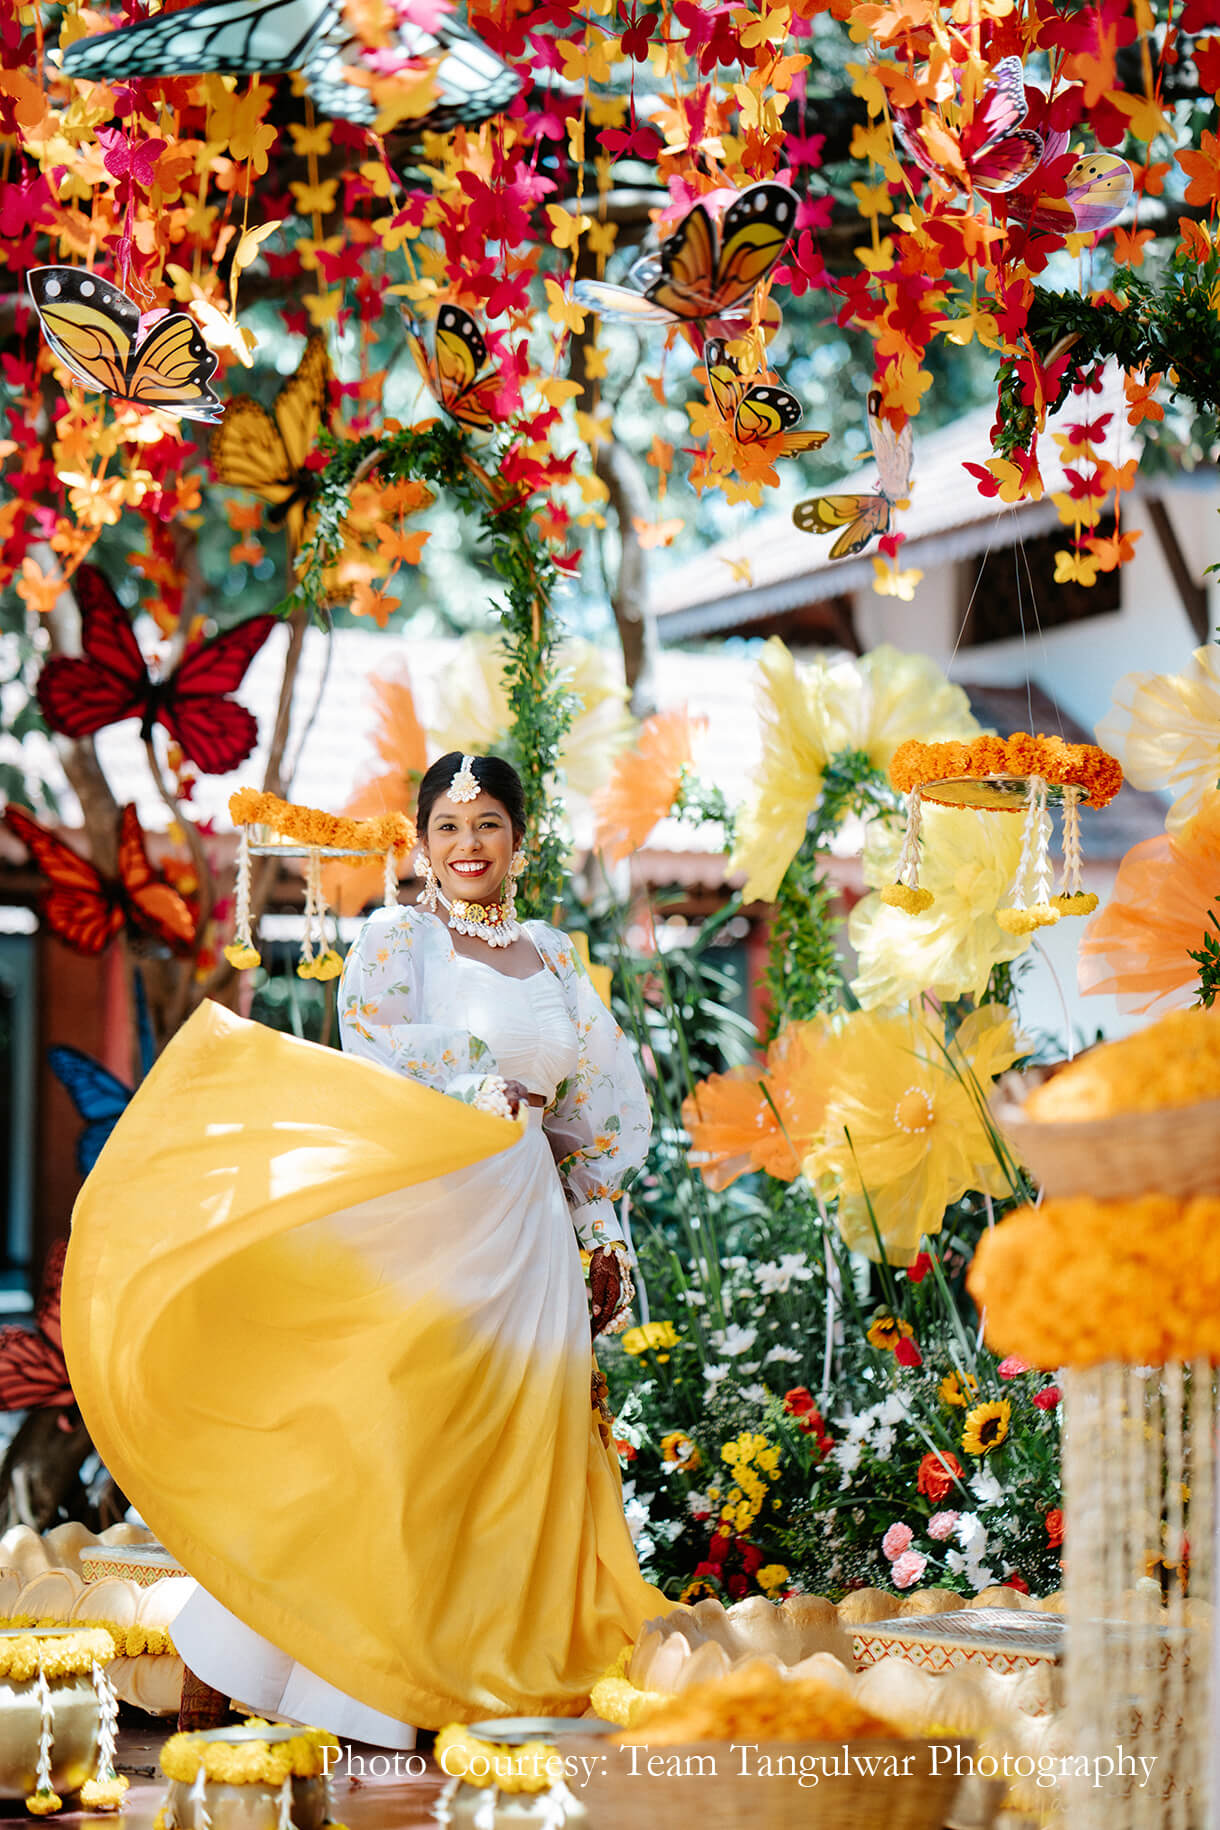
(86, 909)
(111, 682)
(33, 1372)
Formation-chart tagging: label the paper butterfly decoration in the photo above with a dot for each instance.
(33, 1372)
(110, 682)
(864, 518)
(455, 372)
(699, 274)
(266, 452)
(94, 329)
(1096, 192)
(756, 410)
(87, 910)
(312, 36)
(993, 151)
(98, 1095)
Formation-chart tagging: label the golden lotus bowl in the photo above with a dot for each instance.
(75, 1724)
(246, 1807)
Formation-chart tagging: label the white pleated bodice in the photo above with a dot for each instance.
(524, 1022)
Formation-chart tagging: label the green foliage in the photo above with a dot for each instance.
(541, 710)
(1207, 959)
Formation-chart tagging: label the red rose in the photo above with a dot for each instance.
(751, 1557)
(738, 1586)
(935, 1477)
(799, 1401)
(1054, 1527)
(919, 1270)
(907, 1353)
(718, 1549)
(1048, 1398)
(1016, 1582)
(625, 1449)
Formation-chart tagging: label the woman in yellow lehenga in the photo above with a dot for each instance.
(326, 1320)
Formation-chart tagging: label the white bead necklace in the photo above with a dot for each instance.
(487, 921)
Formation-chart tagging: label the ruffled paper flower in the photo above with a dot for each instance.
(1139, 947)
(904, 1134)
(1165, 729)
(401, 749)
(788, 780)
(969, 861)
(887, 697)
(644, 783)
(762, 1117)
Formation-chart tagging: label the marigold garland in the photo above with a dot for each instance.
(616, 1699)
(246, 1763)
(312, 826)
(529, 1768)
(1068, 765)
(57, 1652)
(1079, 1281)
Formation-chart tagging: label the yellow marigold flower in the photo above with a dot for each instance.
(904, 1134)
(649, 1337)
(244, 959)
(986, 1426)
(968, 863)
(902, 896)
(1025, 921)
(1081, 902)
(886, 1332)
(771, 1576)
(956, 1388)
(1174, 1062)
(42, 1804)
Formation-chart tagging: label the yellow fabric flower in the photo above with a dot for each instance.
(887, 697)
(788, 779)
(873, 704)
(1165, 730)
(968, 861)
(986, 1426)
(903, 1129)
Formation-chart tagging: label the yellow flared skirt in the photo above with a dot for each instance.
(328, 1332)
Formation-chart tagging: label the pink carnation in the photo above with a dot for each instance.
(1048, 1398)
(908, 1568)
(1012, 1367)
(942, 1525)
(896, 1540)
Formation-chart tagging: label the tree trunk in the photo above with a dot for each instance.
(627, 483)
(40, 1475)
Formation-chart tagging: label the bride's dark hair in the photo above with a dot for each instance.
(495, 777)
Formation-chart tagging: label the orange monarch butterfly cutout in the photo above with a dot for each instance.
(94, 329)
(85, 908)
(756, 411)
(698, 273)
(864, 518)
(456, 374)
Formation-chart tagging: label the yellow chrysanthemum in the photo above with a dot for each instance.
(788, 779)
(986, 1426)
(887, 697)
(903, 1127)
(968, 861)
(649, 1337)
(1165, 730)
(474, 713)
(873, 704)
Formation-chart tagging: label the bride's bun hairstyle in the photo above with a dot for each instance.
(495, 777)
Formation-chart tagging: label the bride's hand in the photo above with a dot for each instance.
(605, 1288)
(516, 1094)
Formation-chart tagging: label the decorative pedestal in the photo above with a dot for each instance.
(1139, 1481)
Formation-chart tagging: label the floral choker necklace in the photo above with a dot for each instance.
(493, 922)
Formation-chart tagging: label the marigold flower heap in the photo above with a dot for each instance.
(1079, 1281)
(1007, 774)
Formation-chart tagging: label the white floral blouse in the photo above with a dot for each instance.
(398, 974)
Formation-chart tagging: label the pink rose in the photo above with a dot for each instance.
(908, 1568)
(1012, 1367)
(942, 1525)
(1048, 1398)
(896, 1540)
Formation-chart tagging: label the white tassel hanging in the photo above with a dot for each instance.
(485, 1810)
(46, 1734)
(312, 871)
(1072, 885)
(202, 1819)
(108, 1715)
(242, 916)
(389, 898)
(905, 893)
(284, 1805)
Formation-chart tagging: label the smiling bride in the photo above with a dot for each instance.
(330, 1329)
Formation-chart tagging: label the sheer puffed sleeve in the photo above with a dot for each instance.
(599, 1121)
(380, 995)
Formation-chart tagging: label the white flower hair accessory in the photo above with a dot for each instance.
(465, 784)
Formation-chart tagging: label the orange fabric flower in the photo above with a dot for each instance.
(766, 1117)
(398, 739)
(643, 783)
(1139, 946)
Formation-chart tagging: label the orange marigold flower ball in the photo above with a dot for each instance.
(1077, 765)
(1077, 1281)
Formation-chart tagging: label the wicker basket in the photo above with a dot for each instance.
(1173, 1151)
(725, 1785)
